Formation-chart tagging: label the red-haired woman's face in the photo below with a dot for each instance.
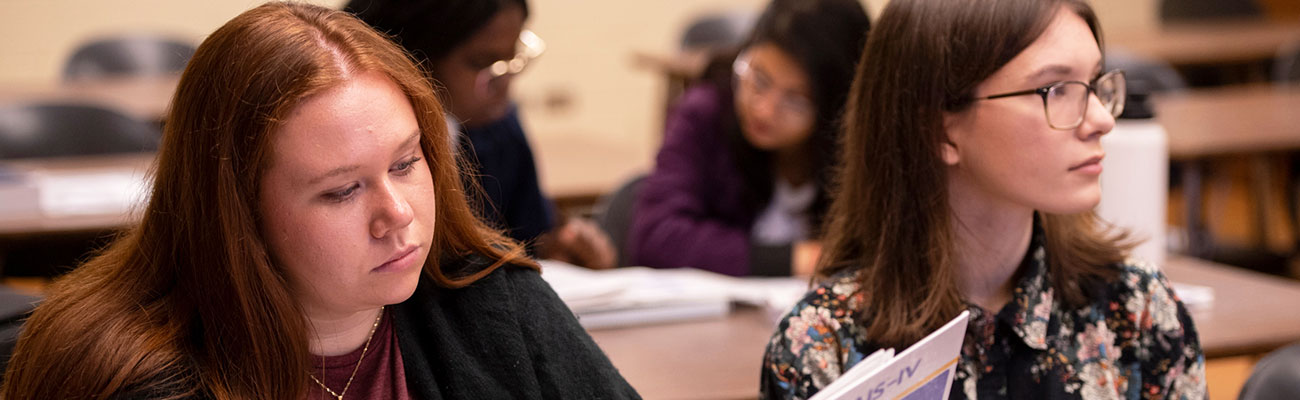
(347, 202)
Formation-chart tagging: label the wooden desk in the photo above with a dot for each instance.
(572, 169)
(1231, 120)
(1256, 120)
(714, 359)
(1252, 312)
(721, 359)
(1208, 43)
(143, 98)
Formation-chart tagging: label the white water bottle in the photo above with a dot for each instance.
(1135, 178)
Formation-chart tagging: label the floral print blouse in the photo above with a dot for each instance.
(1136, 342)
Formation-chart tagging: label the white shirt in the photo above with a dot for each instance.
(786, 218)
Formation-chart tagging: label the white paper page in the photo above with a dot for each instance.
(1195, 297)
(922, 372)
(87, 193)
(862, 370)
(636, 295)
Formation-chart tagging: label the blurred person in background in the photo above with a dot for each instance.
(473, 49)
(740, 184)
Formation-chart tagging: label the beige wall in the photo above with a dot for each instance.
(589, 60)
(36, 35)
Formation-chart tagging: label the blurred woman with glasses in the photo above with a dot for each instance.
(473, 49)
(739, 186)
(972, 154)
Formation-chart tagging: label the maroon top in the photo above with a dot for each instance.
(380, 376)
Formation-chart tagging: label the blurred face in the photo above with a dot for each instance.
(773, 99)
(348, 199)
(472, 102)
(1005, 147)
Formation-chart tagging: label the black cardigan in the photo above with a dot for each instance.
(507, 336)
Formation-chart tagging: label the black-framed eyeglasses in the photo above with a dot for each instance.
(1066, 103)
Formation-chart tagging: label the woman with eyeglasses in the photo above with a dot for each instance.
(972, 155)
(740, 184)
(473, 49)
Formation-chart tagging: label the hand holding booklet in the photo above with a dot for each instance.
(922, 372)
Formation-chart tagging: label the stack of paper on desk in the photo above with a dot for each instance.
(65, 193)
(20, 194)
(1196, 298)
(922, 372)
(640, 295)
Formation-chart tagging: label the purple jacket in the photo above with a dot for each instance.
(690, 211)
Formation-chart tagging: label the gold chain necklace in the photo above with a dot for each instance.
(339, 395)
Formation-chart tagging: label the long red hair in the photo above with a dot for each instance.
(189, 301)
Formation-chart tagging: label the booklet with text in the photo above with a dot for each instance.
(922, 372)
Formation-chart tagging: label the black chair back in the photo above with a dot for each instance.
(1177, 11)
(68, 130)
(1286, 67)
(720, 31)
(613, 213)
(15, 307)
(127, 56)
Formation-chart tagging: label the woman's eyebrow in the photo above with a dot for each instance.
(414, 139)
(1051, 70)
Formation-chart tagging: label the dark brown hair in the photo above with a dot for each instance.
(431, 29)
(189, 301)
(891, 217)
(825, 38)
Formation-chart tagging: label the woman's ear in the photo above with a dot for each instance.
(948, 149)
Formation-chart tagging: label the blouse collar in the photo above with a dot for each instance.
(1030, 308)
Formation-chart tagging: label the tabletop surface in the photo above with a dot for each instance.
(720, 358)
(1209, 42)
(1239, 119)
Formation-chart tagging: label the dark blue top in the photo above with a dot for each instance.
(504, 168)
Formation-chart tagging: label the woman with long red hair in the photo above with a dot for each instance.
(307, 237)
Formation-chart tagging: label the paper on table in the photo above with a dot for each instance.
(589, 292)
(19, 195)
(1195, 297)
(634, 296)
(99, 192)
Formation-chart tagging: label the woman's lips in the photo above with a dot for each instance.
(401, 260)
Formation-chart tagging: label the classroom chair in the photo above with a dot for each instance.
(1151, 75)
(127, 56)
(64, 130)
(1191, 11)
(613, 213)
(723, 30)
(1276, 376)
(1286, 66)
(14, 309)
